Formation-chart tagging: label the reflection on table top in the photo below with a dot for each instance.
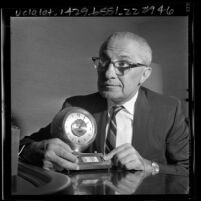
(127, 182)
(34, 180)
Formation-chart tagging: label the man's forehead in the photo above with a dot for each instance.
(121, 42)
(124, 48)
(120, 53)
(131, 45)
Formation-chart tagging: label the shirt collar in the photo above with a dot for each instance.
(129, 105)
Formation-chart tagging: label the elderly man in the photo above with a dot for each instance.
(137, 128)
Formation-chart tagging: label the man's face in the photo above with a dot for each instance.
(120, 88)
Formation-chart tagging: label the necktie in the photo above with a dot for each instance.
(112, 130)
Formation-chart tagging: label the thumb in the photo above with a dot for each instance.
(110, 155)
(115, 151)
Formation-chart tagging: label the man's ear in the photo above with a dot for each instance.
(145, 75)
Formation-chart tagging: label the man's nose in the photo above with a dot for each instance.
(110, 71)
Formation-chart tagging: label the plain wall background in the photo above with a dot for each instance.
(50, 60)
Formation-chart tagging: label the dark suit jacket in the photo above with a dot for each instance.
(160, 131)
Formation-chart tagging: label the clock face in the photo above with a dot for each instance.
(75, 126)
(79, 128)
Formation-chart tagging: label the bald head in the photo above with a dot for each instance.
(144, 50)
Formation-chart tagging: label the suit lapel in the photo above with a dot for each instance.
(101, 119)
(141, 125)
(100, 115)
(141, 122)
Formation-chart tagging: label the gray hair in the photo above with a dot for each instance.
(145, 49)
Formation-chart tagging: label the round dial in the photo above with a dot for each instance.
(79, 128)
(75, 126)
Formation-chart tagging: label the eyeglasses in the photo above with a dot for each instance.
(122, 67)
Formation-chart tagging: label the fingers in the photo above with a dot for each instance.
(58, 155)
(116, 151)
(52, 158)
(134, 165)
(65, 154)
(57, 141)
(126, 156)
(131, 159)
(66, 164)
(60, 148)
(47, 165)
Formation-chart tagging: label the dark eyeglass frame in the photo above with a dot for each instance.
(121, 69)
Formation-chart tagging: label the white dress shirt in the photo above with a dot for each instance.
(124, 121)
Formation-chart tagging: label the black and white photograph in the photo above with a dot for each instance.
(101, 105)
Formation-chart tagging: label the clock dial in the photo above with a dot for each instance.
(75, 126)
(79, 128)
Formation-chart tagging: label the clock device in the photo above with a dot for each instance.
(77, 127)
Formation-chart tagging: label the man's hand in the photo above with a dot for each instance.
(127, 156)
(52, 154)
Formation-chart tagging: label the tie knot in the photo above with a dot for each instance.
(116, 109)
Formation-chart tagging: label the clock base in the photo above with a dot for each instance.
(89, 161)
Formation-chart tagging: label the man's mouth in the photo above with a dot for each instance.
(110, 85)
(106, 85)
